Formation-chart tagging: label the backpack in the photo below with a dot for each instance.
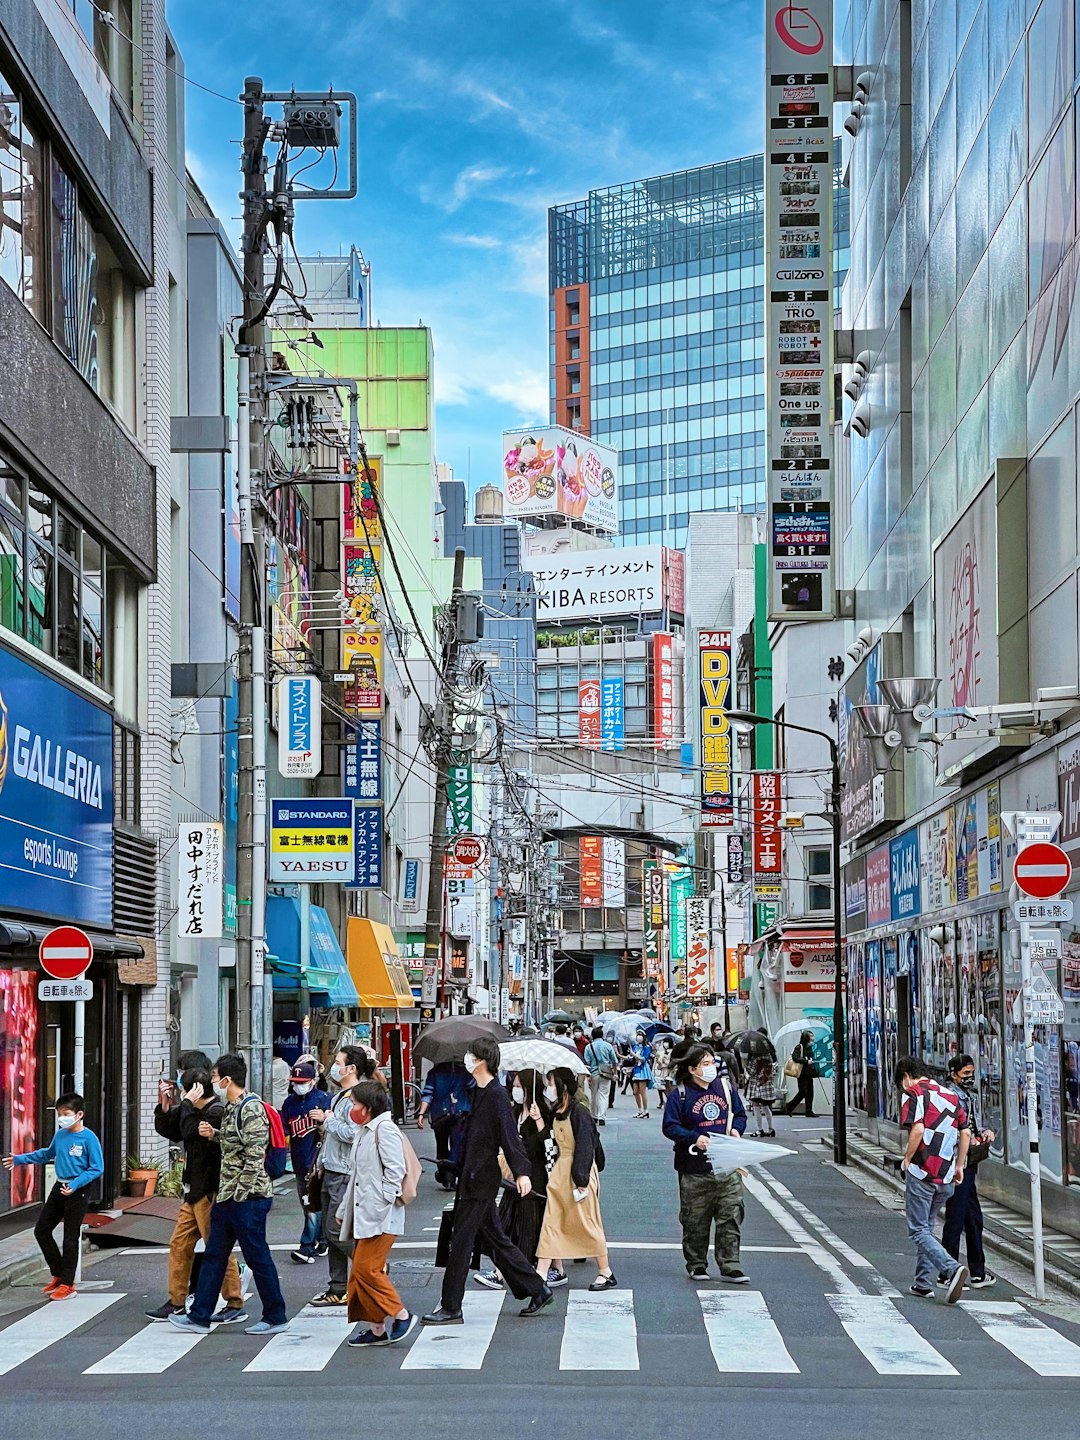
(277, 1148)
(413, 1170)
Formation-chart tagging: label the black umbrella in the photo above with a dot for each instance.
(558, 1017)
(754, 1046)
(449, 1039)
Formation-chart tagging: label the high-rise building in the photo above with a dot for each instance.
(657, 338)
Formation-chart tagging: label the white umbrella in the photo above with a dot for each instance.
(796, 1028)
(542, 1055)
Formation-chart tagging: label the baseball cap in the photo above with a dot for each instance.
(303, 1070)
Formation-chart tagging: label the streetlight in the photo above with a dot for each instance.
(745, 720)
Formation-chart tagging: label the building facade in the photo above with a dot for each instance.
(961, 549)
(657, 338)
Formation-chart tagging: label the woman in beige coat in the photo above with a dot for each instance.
(572, 1223)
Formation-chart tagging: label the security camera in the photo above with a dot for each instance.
(860, 419)
(861, 645)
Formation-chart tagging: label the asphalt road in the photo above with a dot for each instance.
(825, 1341)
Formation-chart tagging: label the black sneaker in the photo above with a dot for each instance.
(401, 1329)
(490, 1279)
(557, 1278)
(227, 1316)
(164, 1311)
(539, 1302)
(328, 1299)
(697, 1272)
(983, 1282)
(322, 1249)
(955, 1287)
(924, 1292)
(300, 1257)
(735, 1277)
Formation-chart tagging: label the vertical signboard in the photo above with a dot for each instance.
(714, 683)
(612, 713)
(799, 312)
(299, 710)
(905, 888)
(368, 847)
(682, 887)
(652, 890)
(200, 870)
(663, 685)
(590, 859)
(878, 887)
(411, 875)
(736, 860)
(459, 814)
(363, 759)
(614, 867)
(698, 949)
(589, 737)
(768, 837)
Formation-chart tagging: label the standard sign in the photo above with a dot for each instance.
(1042, 870)
(1042, 910)
(311, 842)
(799, 307)
(299, 700)
(65, 990)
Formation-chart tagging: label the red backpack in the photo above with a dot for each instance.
(277, 1149)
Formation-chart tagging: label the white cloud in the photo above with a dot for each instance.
(474, 242)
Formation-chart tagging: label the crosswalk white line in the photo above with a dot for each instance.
(1037, 1345)
(309, 1343)
(888, 1340)
(48, 1324)
(150, 1351)
(458, 1347)
(600, 1332)
(742, 1334)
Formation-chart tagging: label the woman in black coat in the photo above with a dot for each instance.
(803, 1055)
(523, 1215)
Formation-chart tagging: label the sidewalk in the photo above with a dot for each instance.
(1006, 1231)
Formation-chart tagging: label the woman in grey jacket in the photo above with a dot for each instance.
(371, 1216)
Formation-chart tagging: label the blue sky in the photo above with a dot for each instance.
(476, 116)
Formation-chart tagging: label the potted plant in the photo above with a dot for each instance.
(142, 1176)
(171, 1181)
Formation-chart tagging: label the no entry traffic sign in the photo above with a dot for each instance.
(65, 953)
(1042, 870)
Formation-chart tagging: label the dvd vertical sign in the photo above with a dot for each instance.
(799, 308)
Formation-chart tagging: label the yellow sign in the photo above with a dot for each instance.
(362, 658)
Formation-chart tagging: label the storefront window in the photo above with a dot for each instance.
(1047, 1075)
(874, 1052)
(988, 1057)
(856, 1000)
(18, 1084)
(889, 1095)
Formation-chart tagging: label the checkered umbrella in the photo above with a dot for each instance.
(541, 1055)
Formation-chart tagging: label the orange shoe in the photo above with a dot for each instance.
(63, 1292)
(53, 1284)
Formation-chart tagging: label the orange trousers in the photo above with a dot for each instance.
(371, 1296)
(193, 1223)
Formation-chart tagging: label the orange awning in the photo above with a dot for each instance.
(375, 966)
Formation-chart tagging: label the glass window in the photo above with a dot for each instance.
(40, 514)
(889, 1095)
(68, 621)
(10, 187)
(1051, 212)
(74, 303)
(1050, 59)
(12, 584)
(39, 594)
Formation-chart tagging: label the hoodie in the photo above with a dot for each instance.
(303, 1132)
(691, 1111)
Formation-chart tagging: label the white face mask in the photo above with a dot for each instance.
(470, 1062)
(518, 1095)
(708, 1074)
(222, 1091)
(551, 1095)
(303, 1087)
(336, 1073)
(65, 1122)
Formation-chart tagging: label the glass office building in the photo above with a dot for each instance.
(657, 338)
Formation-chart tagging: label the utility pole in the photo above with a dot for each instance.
(251, 700)
(433, 923)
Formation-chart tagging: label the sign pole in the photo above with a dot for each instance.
(1031, 1102)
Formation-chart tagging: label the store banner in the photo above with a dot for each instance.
(905, 890)
(682, 887)
(412, 874)
(1068, 762)
(589, 736)
(855, 894)
(362, 761)
(612, 714)
(312, 841)
(938, 861)
(299, 722)
(200, 880)
(768, 836)
(652, 894)
(878, 887)
(591, 861)
(714, 689)
(799, 307)
(614, 866)
(966, 847)
(362, 661)
(361, 496)
(698, 950)
(663, 688)
(368, 844)
(459, 813)
(736, 859)
(591, 584)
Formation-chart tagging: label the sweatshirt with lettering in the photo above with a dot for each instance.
(75, 1154)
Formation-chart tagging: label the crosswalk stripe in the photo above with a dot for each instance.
(458, 1347)
(600, 1332)
(48, 1324)
(743, 1336)
(150, 1351)
(309, 1343)
(888, 1340)
(1040, 1347)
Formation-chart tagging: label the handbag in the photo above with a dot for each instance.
(606, 1072)
(313, 1189)
(792, 1068)
(978, 1151)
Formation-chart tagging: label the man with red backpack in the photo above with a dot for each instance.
(245, 1194)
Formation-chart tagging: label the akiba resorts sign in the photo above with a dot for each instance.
(56, 797)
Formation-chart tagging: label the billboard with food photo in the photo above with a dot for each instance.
(554, 471)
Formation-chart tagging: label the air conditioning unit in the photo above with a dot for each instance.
(393, 437)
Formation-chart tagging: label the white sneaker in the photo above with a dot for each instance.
(983, 1282)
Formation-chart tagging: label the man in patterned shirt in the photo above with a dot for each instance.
(933, 1166)
(240, 1212)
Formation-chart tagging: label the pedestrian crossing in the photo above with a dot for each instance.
(595, 1333)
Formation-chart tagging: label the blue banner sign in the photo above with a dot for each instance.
(904, 884)
(368, 845)
(363, 760)
(56, 797)
(612, 714)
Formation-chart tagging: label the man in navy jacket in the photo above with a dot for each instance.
(703, 1107)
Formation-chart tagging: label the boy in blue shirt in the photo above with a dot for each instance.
(75, 1152)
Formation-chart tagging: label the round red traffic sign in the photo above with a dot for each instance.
(65, 953)
(468, 850)
(1042, 870)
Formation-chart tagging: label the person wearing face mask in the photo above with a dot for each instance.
(489, 1129)
(170, 1095)
(572, 1223)
(963, 1212)
(339, 1132)
(75, 1153)
(445, 1100)
(302, 1113)
(703, 1107)
(641, 1076)
(523, 1215)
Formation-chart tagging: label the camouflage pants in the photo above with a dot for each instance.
(705, 1201)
